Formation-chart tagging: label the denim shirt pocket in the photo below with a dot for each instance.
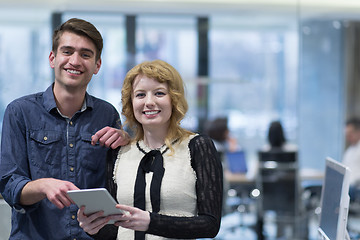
(93, 154)
(45, 147)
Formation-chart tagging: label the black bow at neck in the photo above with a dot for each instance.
(152, 162)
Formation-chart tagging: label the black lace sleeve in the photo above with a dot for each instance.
(109, 232)
(209, 187)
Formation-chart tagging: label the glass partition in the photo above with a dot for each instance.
(322, 84)
(253, 76)
(172, 39)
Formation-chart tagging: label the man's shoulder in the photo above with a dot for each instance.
(98, 102)
(26, 99)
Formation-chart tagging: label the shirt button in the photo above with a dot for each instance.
(71, 145)
(71, 169)
(45, 138)
(71, 123)
(73, 216)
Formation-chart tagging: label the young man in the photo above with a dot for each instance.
(53, 141)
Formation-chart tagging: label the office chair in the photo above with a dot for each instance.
(280, 190)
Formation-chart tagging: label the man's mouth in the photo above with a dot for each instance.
(73, 71)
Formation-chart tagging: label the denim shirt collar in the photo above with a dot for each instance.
(50, 104)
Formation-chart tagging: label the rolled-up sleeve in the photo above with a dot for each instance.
(14, 165)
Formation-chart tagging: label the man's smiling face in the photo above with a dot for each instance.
(74, 63)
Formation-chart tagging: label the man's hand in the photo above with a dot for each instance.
(54, 190)
(93, 223)
(110, 137)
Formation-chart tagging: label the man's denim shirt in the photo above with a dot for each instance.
(37, 142)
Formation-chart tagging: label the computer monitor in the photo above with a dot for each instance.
(334, 201)
(236, 161)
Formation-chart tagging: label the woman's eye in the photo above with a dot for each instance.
(159, 93)
(140, 95)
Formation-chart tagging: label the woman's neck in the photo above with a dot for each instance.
(154, 139)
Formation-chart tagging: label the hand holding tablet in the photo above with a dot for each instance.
(95, 200)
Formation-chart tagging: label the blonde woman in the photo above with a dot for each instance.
(168, 179)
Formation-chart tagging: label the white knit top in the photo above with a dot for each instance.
(178, 193)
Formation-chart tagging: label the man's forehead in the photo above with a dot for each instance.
(76, 41)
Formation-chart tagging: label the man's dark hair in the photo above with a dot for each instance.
(217, 129)
(354, 121)
(79, 27)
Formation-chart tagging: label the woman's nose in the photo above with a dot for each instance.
(149, 100)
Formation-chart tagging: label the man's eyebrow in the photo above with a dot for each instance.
(66, 47)
(72, 48)
(86, 50)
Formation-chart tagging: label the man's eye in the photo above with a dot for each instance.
(85, 55)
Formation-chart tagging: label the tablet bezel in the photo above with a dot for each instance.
(95, 200)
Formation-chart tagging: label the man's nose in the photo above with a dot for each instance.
(74, 59)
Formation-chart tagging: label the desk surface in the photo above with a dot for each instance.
(237, 177)
(305, 175)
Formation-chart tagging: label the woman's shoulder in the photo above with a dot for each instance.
(199, 137)
(200, 141)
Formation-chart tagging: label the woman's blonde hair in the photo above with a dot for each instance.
(163, 73)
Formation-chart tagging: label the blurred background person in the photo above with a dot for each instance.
(351, 156)
(277, 139)
(218, 131)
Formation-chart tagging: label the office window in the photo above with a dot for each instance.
(174, 40)
(253, 76)
(25, 44)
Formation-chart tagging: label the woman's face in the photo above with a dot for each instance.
(151, 103)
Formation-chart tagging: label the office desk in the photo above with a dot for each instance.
(310, 179)
(237, 178)
(311, 175)
(305, 175)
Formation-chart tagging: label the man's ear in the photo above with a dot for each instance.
(98, 65)
(51, 59)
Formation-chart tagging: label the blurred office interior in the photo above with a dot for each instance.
(253, 62)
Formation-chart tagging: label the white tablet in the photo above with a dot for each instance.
(95, 200)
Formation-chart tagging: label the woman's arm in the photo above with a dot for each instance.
(209, 187)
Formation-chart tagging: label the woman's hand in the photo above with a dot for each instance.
(135, 218)
(92, 223)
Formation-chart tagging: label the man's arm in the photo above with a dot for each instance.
(111, 137)
(53, 189)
